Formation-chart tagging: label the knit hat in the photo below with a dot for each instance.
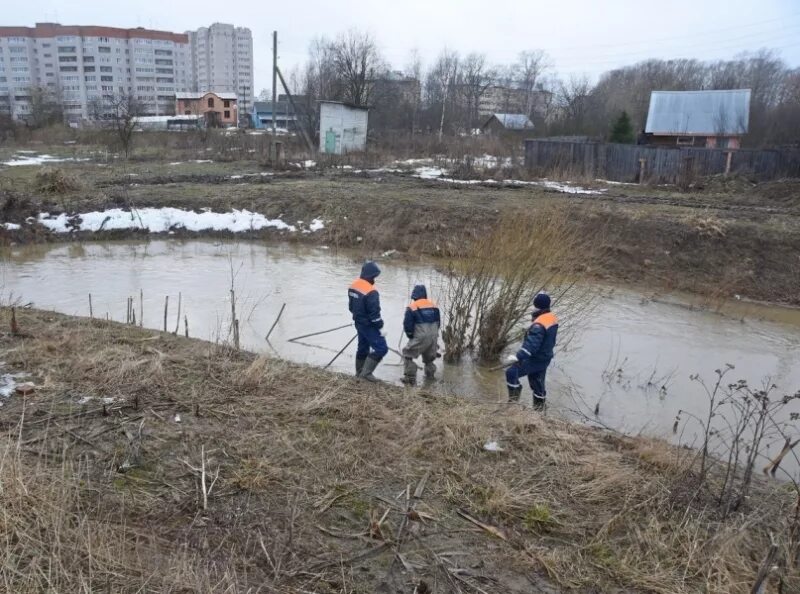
(541, 301)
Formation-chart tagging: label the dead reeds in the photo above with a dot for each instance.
(490, 290)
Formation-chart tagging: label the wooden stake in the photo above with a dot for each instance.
(186, 326)
(236, 334)
(141, 308)
(178, 318)
(275, 323)
(296, 338)
(91, 311)
(14, 327)
(166, 309)
(349, 342)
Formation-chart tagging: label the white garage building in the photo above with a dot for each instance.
(342, 127)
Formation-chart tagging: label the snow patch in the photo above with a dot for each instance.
(162, 220)
(11, 226)
(428, 172)
(30, 158)
(316, 225)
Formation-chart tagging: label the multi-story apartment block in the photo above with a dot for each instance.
(86, 68)
(222, 61)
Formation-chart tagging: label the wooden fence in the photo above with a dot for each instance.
(629, 163)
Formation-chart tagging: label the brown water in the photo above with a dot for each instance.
(634, 357)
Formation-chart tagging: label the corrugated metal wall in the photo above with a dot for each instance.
(342, 129)
(621, 162)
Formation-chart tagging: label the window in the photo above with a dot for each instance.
(684, 140)
(20, 69)
(107, 78)
(19, 60)
(210, 102)
(105, 69)
(104, 49)
(226, 103)
(90, 78)
(17, 50)
(16, 40)
(88, 59)
(66, 49)
(187, 112)
(165, 80)
(102, 39)
(48, 55)
(227, 114)
(88, 68)
(64, 59)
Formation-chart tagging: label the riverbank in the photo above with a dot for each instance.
(145, 458)
(720, 241)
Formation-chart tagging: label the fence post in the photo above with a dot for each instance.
(642, 162)
(728, 159)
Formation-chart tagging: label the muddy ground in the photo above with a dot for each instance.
(722, 239)
(146, 462)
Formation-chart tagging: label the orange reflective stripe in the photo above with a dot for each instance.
(421, 304)
(546, 319)
(362, 286)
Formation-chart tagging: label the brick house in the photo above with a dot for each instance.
(219, 109)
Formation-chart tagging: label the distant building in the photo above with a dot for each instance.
(342, 127)
(507, 123)
(170, 123)
(395, 87)
(711, 119)
(219, 110)
(502, 99)
(85, 67)
(222, 59)
(283, 114)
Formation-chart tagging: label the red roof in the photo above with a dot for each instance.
(56, 30)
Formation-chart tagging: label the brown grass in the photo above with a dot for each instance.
(313, 471)
(56, 181)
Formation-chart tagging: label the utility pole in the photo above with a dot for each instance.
(274, 94)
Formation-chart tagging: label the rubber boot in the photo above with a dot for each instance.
(369, 366)
(514, 393)
(430, 370)
(409, 372)
(538, 402)
(359, 366)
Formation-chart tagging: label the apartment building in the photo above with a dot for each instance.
(222, 61)
(85, 68)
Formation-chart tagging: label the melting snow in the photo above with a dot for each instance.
(162, 220)
(428, 172)
(7, 385)
(11, 226)
(29, 158)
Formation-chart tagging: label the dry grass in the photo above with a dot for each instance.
(313, 475)
(491, 287)
(56, 181)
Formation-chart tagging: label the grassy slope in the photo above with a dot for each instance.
(314, 473)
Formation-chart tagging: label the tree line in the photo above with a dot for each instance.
(445, 96)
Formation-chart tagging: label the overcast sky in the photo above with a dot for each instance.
(581, 36)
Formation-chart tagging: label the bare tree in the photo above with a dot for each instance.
(573, 98)
(122, 111)
(357, 63)
(414, 71)
(475, 78)
(530, 67)
(46, 107)
(440, 81)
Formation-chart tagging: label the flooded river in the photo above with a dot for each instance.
(634, 357)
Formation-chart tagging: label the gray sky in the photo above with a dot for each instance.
(582, 36)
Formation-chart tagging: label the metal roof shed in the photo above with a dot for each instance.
(342, 127)
(699, 113)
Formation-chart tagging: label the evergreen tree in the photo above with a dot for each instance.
(622, 131)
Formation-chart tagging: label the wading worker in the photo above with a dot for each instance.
(535, 354)
(421, 324)
(365, 305)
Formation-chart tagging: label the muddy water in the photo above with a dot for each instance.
(633, 359)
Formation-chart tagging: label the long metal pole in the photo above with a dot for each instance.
(274, 92)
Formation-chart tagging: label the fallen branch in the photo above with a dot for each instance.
(494, 531)
(296, 338)
(275, 323)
